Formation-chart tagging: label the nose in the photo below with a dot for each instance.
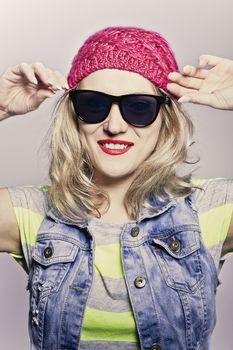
(115, 124)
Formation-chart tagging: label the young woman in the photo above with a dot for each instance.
(122, 252)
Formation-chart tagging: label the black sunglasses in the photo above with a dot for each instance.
(136, 109)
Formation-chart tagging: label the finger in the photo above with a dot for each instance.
(61, 80)
(209, 59)
(183, 80)
(199, 98)
(195, 72)
(56, 79)
(40, 96)
(43, 75)
(27, 71)
(178, 90)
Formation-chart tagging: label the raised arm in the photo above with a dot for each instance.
(211, 83)
(22, 89)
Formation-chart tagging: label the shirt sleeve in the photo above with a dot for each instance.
(214, 202)
(30, 205)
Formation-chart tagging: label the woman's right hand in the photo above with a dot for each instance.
(25, 86)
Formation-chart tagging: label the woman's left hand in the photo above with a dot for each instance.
(209, 84)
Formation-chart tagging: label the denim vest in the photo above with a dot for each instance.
(170, 276)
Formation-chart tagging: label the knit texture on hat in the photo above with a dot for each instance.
(126, 48)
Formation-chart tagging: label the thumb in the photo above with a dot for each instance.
(200, 98)
(40, 96)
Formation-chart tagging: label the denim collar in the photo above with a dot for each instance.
(157, 207)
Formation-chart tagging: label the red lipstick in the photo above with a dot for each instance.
(115, 147)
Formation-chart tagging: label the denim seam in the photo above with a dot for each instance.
(130, 298)
(90, 263)
(42, 236)
(204, 313)
(188, 335)
(166, 233)
(152, 297)
(64, 306)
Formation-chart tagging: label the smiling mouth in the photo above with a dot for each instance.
(115, 147)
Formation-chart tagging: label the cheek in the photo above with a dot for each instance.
(152, 135)
(87, 139)
(85, 134)
(82, 137)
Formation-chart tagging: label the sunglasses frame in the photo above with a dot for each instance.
(161, 99)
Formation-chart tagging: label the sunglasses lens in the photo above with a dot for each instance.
(140, 110)
(136, 109)
(91, 107)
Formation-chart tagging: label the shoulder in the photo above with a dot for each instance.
(212, 193)
(33, 198)
(213, 200)
(30, 204)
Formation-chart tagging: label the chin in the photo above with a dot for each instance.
(114, 175)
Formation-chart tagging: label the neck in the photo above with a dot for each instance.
(116, 190)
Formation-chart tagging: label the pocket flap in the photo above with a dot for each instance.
(48, 252)
(179, 244)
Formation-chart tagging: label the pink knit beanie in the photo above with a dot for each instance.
(126, 48)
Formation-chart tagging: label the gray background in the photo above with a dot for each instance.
(51, 31)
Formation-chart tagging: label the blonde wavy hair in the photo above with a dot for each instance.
(73, 191)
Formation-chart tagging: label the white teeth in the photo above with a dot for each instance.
(114, 145)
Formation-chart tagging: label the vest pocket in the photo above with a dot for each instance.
(51, 262)
(179, 259)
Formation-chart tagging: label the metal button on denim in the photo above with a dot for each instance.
(135, 231)
(48, 252)
(175, 245)
(139, 282)
(155, 347)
